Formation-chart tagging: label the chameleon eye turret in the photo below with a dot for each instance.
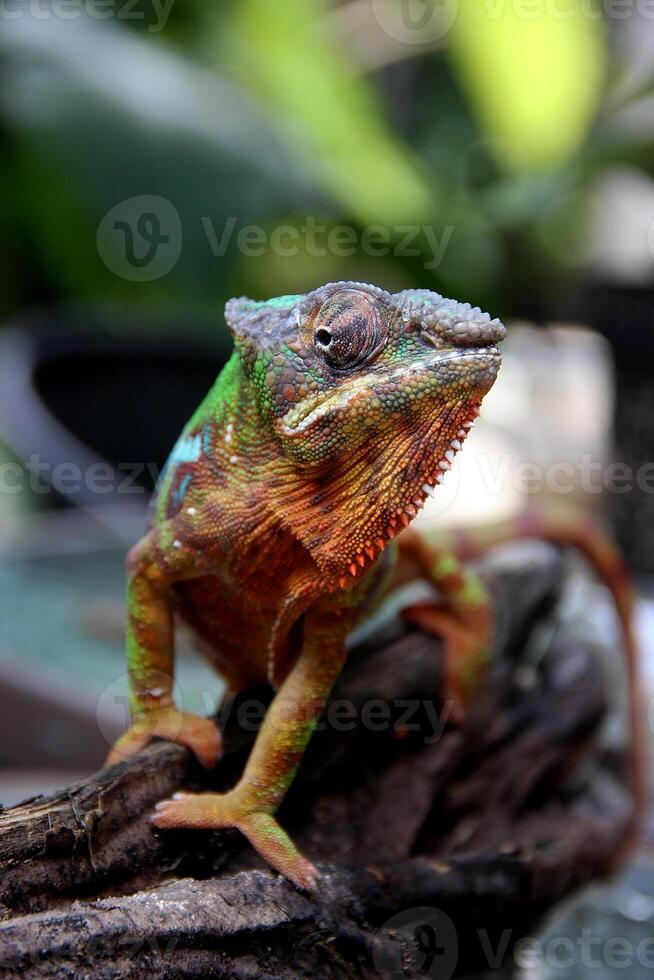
(348, 329)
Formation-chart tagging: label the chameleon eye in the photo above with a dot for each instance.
(347, 329)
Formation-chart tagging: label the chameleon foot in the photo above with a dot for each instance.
(466, 655)
(208, 811)
(200, 735)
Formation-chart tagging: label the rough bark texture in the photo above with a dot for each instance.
(433, 839)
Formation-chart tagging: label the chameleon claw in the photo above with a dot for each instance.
(129, 744)
(210, 811)
(200, 735)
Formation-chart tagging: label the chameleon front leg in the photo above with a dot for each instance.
(279, 747)
(465, 621)
(153, 565)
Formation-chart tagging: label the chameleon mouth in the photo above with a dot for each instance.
(302, 417)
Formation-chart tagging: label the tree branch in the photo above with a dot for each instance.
(489, 823)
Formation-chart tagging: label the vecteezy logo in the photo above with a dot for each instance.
(112, 710)
(140, 239)
(415, 21)
(415, 944)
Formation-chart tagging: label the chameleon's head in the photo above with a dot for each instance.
(368, 395)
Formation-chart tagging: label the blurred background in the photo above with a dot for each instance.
(162, 156)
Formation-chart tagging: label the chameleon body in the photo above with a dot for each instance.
(274, 524)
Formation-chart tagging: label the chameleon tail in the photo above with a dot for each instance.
(588, 537)
(581, 532)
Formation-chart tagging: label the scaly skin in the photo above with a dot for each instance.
(335, 417)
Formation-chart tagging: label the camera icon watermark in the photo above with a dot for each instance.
(419, 942)
(421, 22)
(140, 238)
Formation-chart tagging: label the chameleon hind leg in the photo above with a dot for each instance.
(464, 620)
(280, 744)
(566, 527)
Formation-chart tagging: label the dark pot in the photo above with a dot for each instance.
(625, 316)
(84, 388)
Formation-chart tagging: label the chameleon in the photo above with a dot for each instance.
(281, 521)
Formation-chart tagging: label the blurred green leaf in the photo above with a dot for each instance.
(336, 123)
(533, 72)
(96, 115)
(625, 100)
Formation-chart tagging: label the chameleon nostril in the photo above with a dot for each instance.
(478, 332)
(429, 339)
(493, 332)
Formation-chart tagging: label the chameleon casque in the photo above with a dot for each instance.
(273, 527)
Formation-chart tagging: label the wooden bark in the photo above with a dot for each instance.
(489, 823)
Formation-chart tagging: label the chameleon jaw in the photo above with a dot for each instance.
(359, 488)
(397, 522)
(300, 418)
